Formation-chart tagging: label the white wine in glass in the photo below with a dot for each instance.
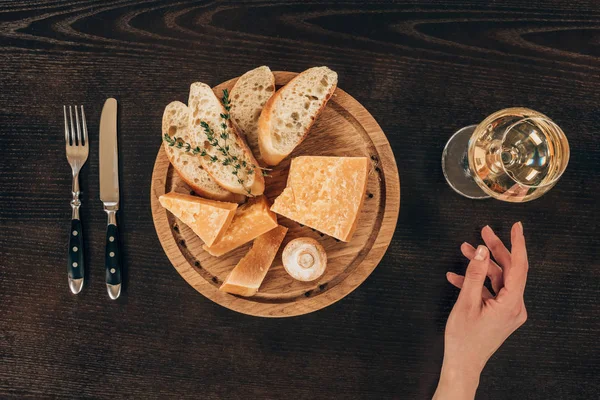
(515, 155)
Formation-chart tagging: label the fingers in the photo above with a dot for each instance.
(457, 281)
(472, 288)
(499, 251)
(494, 272)
(517, 276)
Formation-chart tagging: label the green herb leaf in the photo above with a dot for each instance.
(225, 100)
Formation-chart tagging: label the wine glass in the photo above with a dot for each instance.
(515, 155)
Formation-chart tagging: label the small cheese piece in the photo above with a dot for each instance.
(325, 193)
(248, 274)
(209, 219)
(251, 220)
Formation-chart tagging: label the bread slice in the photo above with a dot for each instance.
(248, 274)
(325, 193)
(288, 115)
(248, 97)
(206, 107)
(250, 221)
(176, 119)
(209, 219)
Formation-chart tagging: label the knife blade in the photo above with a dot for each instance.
(109, 194)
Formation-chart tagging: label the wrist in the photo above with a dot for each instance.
(457, 383)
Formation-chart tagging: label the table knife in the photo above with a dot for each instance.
(109, 194)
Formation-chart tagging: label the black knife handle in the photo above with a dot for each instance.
(75, 266)
(113, 256)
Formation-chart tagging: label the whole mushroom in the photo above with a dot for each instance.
(304, 259)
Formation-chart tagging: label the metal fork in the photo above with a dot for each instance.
(77, 147)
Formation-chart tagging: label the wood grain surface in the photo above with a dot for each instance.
(349, 131)
(422, 69)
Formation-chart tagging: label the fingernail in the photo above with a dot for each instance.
(520, 227)
(481, 253)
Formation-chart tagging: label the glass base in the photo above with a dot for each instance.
(455, 165)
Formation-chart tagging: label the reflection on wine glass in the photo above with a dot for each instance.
(515, 155)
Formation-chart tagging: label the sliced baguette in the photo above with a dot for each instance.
(288, 115)
(175, 122)
(206, 107)
(248, 97)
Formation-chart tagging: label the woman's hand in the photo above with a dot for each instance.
(480, 322)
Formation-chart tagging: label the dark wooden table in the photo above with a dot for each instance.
(423, 69)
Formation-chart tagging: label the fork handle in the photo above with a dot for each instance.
(113, 257)
(75, 264)
(75, 258)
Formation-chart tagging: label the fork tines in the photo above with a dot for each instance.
(77, 134)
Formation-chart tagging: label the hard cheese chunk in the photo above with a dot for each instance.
(209, 219)
(325, 193)
(251, 220)
(248, 274)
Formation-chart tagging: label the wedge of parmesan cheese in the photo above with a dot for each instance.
(325, 193)
(248, 274)
(209, 219)
(250, 221)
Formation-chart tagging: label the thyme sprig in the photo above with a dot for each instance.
(179, 143)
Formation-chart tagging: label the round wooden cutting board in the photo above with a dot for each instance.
(344, 128)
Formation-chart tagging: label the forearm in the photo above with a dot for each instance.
(456, 384)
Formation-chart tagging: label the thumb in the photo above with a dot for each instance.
(475, 276)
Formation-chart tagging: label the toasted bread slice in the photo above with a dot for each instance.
(175, 122)
(288, 115)
(248, 97)
(209, 219)
(206, 107)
